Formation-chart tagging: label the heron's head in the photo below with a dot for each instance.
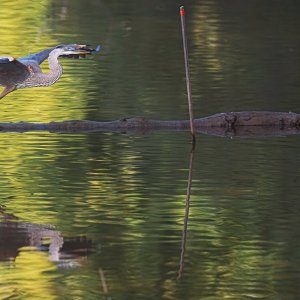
(76, 50)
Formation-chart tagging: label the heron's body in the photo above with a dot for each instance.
(25, 72)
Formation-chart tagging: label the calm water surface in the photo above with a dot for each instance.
(100, 215)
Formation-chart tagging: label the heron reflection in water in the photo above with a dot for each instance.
(25, 72)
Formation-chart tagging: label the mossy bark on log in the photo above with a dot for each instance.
(251, 118)
(219, 124)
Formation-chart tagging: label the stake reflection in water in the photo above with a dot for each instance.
(186, 215)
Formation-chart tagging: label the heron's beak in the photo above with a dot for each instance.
(76, 51)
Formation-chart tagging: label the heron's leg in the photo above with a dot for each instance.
(8, 89)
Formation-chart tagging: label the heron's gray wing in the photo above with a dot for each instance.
(38, 57)
(12, 71)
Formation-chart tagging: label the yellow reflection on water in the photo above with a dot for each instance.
(206, 36)
(22, 24)
(25, 159)
(29, 276)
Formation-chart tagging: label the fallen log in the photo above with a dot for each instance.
(245, 123)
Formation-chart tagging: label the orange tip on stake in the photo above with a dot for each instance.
(182, 12)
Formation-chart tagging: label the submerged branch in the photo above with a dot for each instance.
(245, 123)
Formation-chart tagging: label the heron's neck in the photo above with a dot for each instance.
(45, 79)
(55, 70)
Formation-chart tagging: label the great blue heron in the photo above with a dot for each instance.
(25, 72)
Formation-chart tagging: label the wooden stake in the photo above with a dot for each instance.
(187, 74)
